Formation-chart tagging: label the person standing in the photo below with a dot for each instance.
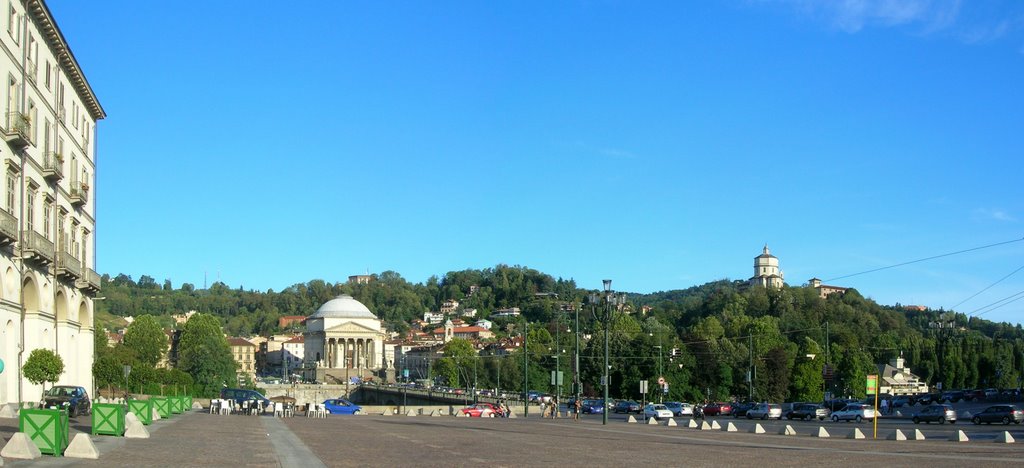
(579, 407)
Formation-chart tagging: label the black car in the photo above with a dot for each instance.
(627, 406)
(808, 412)
(740, 409)
(1005, 414)
(73, 398)
(953, 396)
(929, 398)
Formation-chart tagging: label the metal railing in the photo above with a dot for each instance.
(79, 193)
(34, 243)
(53, 165)
(68, 264)
(92, 278)
(8, 225)
(19, 126)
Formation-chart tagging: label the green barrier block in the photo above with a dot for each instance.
(188, 403)
(162, 406)
(143, 409)
(176, 404)
(48, 429)
(108, 419)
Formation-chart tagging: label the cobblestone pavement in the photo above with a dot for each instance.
(199, 439)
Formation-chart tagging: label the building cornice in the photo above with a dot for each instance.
(55, 39)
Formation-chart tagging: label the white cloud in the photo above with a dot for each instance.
(993, 214)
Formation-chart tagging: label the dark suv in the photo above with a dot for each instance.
(73, 398)
(808, 412)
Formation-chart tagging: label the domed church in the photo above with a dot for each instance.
(343, 339)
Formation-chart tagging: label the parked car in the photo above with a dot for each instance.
(765, 411)
(74, 398)
(1005, 414)
(679, 408)
(953, 396)
(242, 394)
(482, 410)
(717, 409)
(657, 411)
(740, 409)
(839, 403)
(627, 406)
(935, 413)
(903, 400)
(929, 398)
(808, 412)
(342, 406)
(854, 412)
(976, 394)
(592, 407)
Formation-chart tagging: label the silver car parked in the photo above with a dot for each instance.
(765, 411)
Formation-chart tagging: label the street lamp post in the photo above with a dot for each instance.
(526, 368)
(576, 366)
(609, 300)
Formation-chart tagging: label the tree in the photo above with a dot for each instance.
(43, 366)
(458, 363)
(204, 353)
(145, 337)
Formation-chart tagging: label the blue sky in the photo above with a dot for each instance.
(660, 144)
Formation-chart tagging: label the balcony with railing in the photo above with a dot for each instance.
(68, 266)
(89, 282)
(8, 228)
(79, 193)
(18, 129)
(53, 166)
(35, 247)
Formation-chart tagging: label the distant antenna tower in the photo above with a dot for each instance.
(204, 279)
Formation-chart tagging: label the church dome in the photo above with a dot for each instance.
(343, 306)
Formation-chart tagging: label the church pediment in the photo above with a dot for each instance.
(351, 327)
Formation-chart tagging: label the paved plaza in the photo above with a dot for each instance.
(200, 439)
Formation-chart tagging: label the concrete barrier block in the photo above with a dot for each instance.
(130, 417)
(512, 415)
(966, 415)
(156, 415)
(821, 433)
(435, 414)
(652, 422)
(460, 414)
(671, 423)
(82, 447)
(704, 426)
(715, 425)
(630, 420)
(897, 435)
(21, 448)
(1004, 438)
(730, 427)
(197, 405)
(386, 412)
(136, 431)
(411, 413)
(856, 434)
(788, 430)
(918, 435)
(960, 436)
(692, 424)
(6, 411)
(757, 429)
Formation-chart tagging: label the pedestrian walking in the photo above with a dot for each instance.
(579, 406)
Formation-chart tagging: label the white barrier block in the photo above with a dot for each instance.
(715, 425)
(1004, 438)
(20, 447)
(386, 412)
(704, 426)
(671, 423)
(856, 434)
(6, 411)
(692, 424)
(410, 413)
(897, 435)
(960, 436)
(136, 431)
(757, 429)
(631, 420)
(918, 435)
(652, 422)
(966, 415)
(156, 415)
(197, 405)
(82, 447)
(788, 430)
(435, 414)
(821, 433)
(730, 427)
(459, 414)
(512, 414)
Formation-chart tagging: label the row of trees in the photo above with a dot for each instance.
(204, 363)
(714, 341)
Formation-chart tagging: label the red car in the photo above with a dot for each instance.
(482, 410)
(718, 409)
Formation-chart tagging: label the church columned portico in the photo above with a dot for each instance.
(343, 339)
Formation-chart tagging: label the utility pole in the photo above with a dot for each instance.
(576, 366)
(750, 379)
(526, 368)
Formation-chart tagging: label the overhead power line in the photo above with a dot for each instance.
(925, 259)
(995, 305)
(987, 287)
